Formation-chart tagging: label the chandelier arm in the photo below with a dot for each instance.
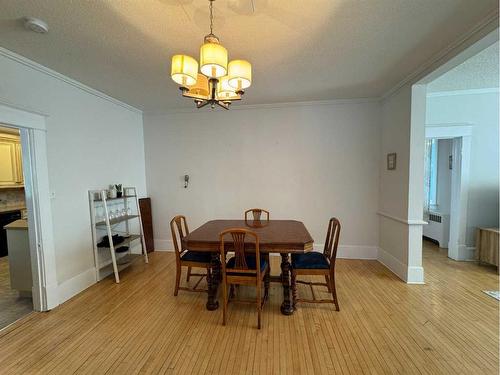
(201, 104)
(223, 105)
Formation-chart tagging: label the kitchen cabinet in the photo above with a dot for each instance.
(19, 257)
(11, 164)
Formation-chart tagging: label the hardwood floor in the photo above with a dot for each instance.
(12, 306)
(447, 326)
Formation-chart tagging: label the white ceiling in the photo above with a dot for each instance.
(300, 50)
(481, 71)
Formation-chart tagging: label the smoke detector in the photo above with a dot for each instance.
(36, 25)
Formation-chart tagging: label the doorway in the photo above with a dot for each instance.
(16, 282)
(458, 106)
(32, 129)
(446, 187)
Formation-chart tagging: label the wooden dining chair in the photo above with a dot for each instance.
(314, 263)
(187, 258)
(244, 268)
(256, 213)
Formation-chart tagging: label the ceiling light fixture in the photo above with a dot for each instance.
(36, 25)
(217, 83)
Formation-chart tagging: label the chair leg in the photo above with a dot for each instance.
(177, 279)
(328, 284)
(294, 288)
(267, 282)
(224, 306)
(188, 274)
(259, 303)
(334, 291)
(231, 292)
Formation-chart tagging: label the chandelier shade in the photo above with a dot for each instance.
(200, 90)
(225, 91)
(184, 70)
(213, 60)
(240, 74)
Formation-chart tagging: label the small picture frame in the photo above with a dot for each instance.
(391, 161)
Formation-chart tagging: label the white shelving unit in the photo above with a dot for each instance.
(110, 216)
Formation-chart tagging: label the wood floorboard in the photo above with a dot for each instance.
(447, 326)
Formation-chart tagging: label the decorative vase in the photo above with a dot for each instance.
(112, 191)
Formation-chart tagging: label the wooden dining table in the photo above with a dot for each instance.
(283, 237)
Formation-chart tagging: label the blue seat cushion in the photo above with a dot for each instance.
(196, 256)
(310, 260)
(250, 259)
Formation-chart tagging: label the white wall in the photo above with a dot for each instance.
(398, 221)
(304, 162)
(480, 110)
(91, 142)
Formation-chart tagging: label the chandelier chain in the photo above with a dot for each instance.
(211, 16)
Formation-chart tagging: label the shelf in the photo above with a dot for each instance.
(117, 198)
(122, 259)
(120, 219)
(127, 241)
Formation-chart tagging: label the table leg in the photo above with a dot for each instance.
(213, 282)
(286, 306)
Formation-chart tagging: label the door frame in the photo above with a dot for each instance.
(33, 131)
(461, 150)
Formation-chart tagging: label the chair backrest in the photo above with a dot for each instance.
(257, 214)
(179, 228)
(332, 240)
(237, 244)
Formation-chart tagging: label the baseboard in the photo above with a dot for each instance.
(51, 293)
(352, 251)
(393, 264)
(344, 251)
(415, 275)
(77, 284)
(463, 252)
(164, 245)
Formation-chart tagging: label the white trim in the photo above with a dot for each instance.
(43, 69)
(77, 284)
(173, 111)
(34, 150)
(486, 26)
(15, 115)
(401, 220)
(448, 131)
(415, 275)
(438, 94)
(392, 263)
(163, 245)
(352, 251)
(344, 251)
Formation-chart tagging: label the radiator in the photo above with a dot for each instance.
(438, 228)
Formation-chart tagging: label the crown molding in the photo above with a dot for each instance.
(487, 25)
(270, 106)
(52, 73)
(438, 94)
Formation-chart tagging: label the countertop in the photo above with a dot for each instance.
(12, 208)
(21, 224)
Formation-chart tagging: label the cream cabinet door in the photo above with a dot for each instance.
(19, 164)
(8, 167)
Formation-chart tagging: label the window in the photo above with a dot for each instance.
(430, 179)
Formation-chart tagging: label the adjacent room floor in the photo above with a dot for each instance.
(384, 326)
(12, 307)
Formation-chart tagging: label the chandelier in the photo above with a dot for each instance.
(217, 83)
